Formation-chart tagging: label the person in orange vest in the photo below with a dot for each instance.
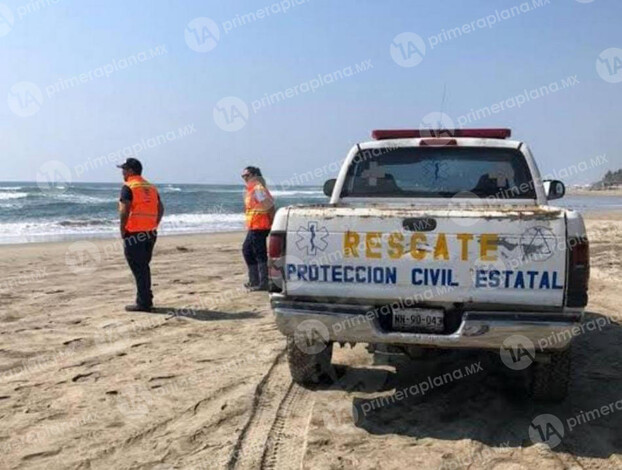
(140, 210)
(259, 211)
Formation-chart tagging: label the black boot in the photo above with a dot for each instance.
(262, 269)
(253, 277)
(138, 308)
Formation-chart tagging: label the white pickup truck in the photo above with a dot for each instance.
(433, 239)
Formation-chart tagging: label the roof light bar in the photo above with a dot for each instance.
(493, 133)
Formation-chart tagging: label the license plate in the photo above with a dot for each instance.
(414, 319)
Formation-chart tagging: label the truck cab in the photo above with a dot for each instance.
(433, 239)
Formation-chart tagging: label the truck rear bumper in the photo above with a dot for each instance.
(478, 329)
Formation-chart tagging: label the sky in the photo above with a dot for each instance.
(199, 89)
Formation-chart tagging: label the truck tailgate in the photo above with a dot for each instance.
(427, 255)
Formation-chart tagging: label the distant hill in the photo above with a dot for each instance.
(611, 179)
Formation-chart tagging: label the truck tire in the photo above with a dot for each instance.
(550, 380)
(306, 368)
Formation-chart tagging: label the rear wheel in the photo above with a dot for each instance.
(308, 364)
(550, 380)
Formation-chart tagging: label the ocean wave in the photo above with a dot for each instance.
(83, 199)
(228, 191)
(11, 205)
(52, 227)
(82, 211)
(7, 195)
(198, 220)
(293, 192)
(30, 231)
(274, 192)
(86, 223)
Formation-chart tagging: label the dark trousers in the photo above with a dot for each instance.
(138, 248)
(255, 253)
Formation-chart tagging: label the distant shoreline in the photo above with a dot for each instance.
(594, 192)
(119, 183)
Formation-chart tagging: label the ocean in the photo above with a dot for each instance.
(84, 210)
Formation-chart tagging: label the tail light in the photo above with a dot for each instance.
(276, 258)
(578, 272)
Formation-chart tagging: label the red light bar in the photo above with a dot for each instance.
(495, 133)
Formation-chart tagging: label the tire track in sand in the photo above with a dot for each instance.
(288, 435)
(274, 437)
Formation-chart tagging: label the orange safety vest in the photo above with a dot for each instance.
(258, 218)
(143, 215)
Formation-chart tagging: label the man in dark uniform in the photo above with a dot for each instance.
(141, 211)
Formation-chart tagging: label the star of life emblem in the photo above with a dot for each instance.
(312, 238)
(538, 243)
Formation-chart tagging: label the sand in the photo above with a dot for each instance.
(203, 382)
(595, 192)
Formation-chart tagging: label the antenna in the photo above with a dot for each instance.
(443, 101)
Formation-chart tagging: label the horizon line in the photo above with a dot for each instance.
(120, 182)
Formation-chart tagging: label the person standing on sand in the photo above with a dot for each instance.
(259, 209)
(141, 211)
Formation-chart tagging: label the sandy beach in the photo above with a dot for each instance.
(594, 192)
(203, 382)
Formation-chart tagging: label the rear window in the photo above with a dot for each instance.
(439, 172)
